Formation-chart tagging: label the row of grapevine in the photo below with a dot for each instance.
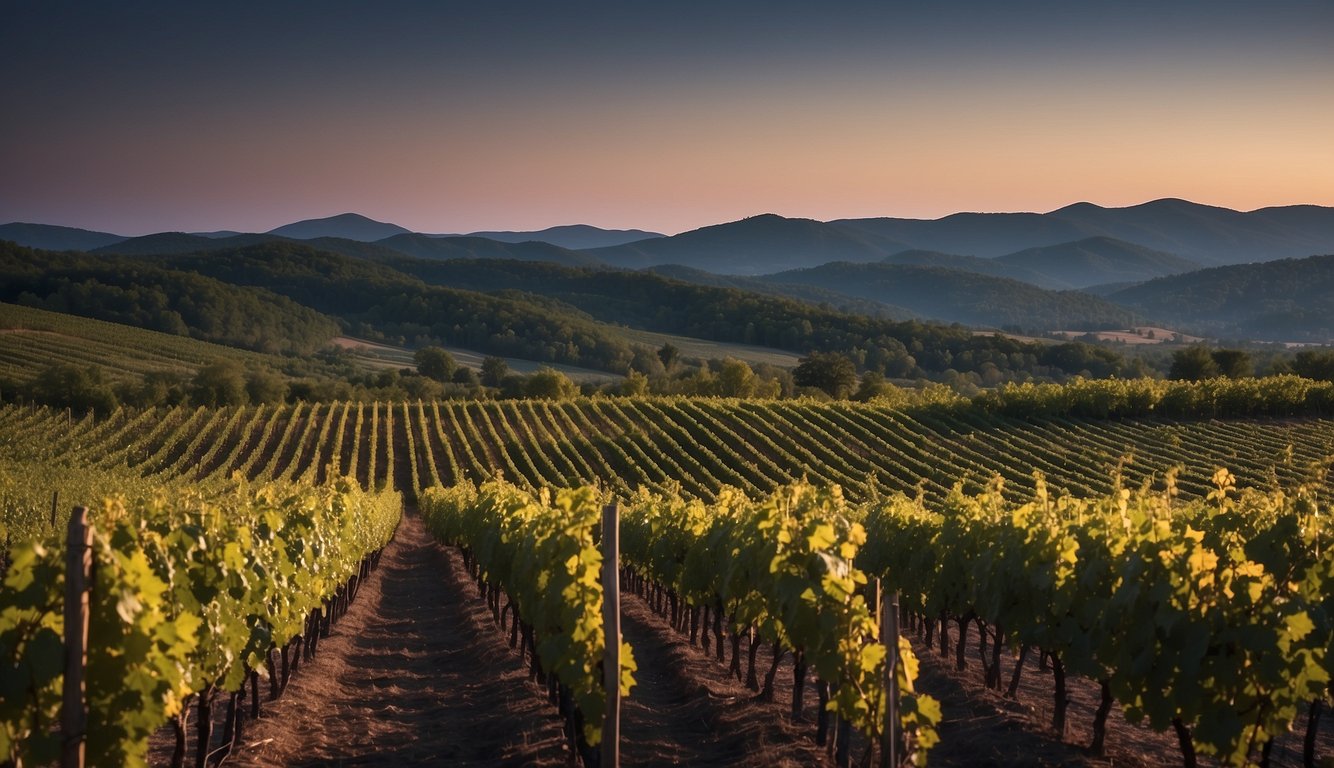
(781, 571)
(694, 446)
(194, 594)
(541, 554)
(1212, 617)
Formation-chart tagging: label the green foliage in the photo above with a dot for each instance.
(736, 379)
(656, 303)
(70, 386)
(191, 589)
(1233, 363)
(219, 384)
(543, 552)
(434, 363)
(144, 294)
(783, 565)
(549, 384)
(1125, 398)
(265, 386)
(1314, 364)
(494, 370)
(1283, 300)
(831, 372)
(1210, 611)
(668, 354)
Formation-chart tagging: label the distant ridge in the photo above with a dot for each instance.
(752, 246)
(427, 247)
(53, 238)
(956, 296)
(574, 236)
(1206, 234)
(1158, 238)
(1096, 261)
(1281, 300)
(352, 226)
(165, 243)
(993, 267)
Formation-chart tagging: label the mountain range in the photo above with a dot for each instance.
(1182, 235)
(1014, 270)
(1206, 234)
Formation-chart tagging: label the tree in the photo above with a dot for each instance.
(549, 384)
(873, 385)
(1233, 363)
(494, 371)
(736, 379)
(827, 371)
(466, 376)
(434, 363)
(668, 354)
(635, 385)
(218, 384)
(79, 389)
(1193, 363)
(265, 386)
(158, 388)
(1314, 364)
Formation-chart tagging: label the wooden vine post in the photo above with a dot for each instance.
(78, 574)
(611, 632)
(889, 633)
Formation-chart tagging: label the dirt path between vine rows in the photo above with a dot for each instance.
(414, 674)
(417, 673)
(686, 710)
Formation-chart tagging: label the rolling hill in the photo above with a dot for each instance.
(807, 293)
(164, 243)
(753, 246)
(1284, 300)
(973, 234)
(952, 295)
(352, 226)
(1206, 234)
(573, 236)
(53, 238)
(1095, 261)
(426, 247)
(993, 267)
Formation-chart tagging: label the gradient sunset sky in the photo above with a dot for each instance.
(137, 117)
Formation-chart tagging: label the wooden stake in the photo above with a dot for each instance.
(889, 634)
(78, 573)
(611, 628)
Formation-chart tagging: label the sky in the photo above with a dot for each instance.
(137, 117)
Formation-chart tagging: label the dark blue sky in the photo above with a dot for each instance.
(138, 116)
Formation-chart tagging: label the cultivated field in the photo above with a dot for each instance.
(436, 659)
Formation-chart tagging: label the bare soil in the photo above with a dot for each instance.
(414, 674)
(686, 710)
(983, 727)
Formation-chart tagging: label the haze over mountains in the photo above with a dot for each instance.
(1011, 270)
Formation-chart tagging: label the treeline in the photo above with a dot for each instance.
(378, 302)
(280, 297)
(901, 350)
(138, 293)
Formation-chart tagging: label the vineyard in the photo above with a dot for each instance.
(37, 338)
(695, 447)
(1113, 550)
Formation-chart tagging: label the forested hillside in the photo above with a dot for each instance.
(147, 295)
